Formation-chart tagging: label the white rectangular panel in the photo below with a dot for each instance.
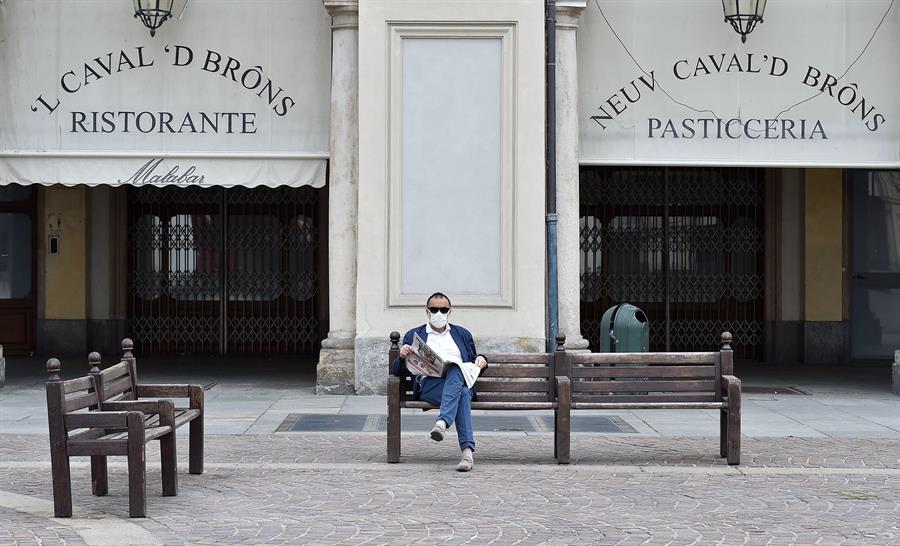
(451, 166)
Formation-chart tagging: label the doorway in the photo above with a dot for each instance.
(221, 271)
(875, 264)
(686, 245)
(18, 298)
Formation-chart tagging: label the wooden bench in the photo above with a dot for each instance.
(76, 430)
(619, 381)
(520, 381)
(118, 387)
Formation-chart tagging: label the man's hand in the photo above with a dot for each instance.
(480, 362)
(405, 351)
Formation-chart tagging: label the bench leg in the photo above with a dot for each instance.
(734, 423)
(137, 467)
(393, 425)
(556, 433)
(62, 481)
(99, 476)
(562, 426)
(169, 464)
(195, 456)
(723, 433)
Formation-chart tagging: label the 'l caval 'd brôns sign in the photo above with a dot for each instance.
(671, 83)
(231, 94)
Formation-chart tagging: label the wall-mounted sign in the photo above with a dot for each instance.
(667, 83)
(234, 93)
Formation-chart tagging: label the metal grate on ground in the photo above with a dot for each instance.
(316, 422)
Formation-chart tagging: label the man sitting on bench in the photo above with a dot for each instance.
(452, 343)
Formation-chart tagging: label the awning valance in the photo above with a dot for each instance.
(232, 94)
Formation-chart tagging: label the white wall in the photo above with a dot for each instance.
(451, 172)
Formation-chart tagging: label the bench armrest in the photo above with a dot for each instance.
(98, 419)
(193, 392)
(161, 390)
(164, 408)
(731, 386)
(730, 380)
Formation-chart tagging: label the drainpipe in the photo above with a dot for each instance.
(550, 158)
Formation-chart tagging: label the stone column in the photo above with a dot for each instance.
(567, 152)
(335, 370)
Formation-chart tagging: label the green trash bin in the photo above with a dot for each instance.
(624, 329)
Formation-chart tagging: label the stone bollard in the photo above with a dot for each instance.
(896, 374)
(2, 367)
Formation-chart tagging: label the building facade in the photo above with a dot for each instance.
(297, 178)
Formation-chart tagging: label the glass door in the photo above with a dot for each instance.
(17, 282)
(875, 279)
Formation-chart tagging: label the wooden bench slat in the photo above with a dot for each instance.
(517, 358)
(512, 386)
(644, 386)
(114, 372)
(94, 420)
(644, 371)
(86, 434)
(644, 358)
(488, 405)
(638, 405)
(511, 371)
(112, 444)
(116, 388)
(502, 405)
(80, 402)
(99, 446)
(182, 416)
(76, 385)
(518, 397)
(645, 399)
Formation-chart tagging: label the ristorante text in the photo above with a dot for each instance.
(164, 122)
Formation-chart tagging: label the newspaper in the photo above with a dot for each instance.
(424, 361)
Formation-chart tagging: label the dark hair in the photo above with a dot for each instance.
(438, 295)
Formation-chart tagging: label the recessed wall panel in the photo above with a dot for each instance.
(450, 166)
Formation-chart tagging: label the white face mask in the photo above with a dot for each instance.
(437, 320)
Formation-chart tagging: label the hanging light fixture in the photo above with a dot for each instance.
(743, 15)
(153, 13)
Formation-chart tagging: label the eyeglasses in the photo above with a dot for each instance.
(443, 310)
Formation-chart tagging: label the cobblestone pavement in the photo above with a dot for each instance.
(335, 488)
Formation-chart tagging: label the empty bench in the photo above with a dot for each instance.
(77, 428)
(628, 381)
(118, 386)
(517, 381)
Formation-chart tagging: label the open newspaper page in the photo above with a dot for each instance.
(424, 361)
(469, 370)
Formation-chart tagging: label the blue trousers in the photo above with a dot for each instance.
(455, 399)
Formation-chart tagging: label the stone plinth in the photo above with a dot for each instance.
(335, 372)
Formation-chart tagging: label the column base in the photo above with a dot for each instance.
(336, 371)
(577, 345)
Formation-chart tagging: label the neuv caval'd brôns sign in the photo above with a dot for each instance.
(671, 83)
